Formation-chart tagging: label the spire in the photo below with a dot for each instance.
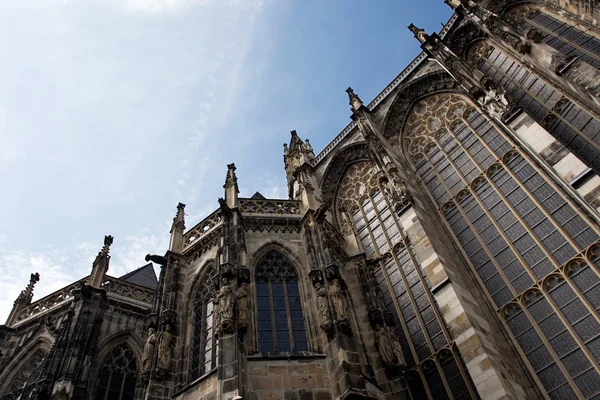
(100, 265)
(231, 187)
(419, 33)
(355, 101)
(27, 294)
(176, 242)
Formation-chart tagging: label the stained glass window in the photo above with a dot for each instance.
(280, 318)
(203, 345)
(117, 375)
(405, 288)
(29, 373)
(519, 233)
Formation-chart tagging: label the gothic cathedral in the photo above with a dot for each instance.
(445, 245)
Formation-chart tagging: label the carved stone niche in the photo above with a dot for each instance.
(332, 271)
(227, 270)
(375, 317)
(168, 317)
(316, 276)
(151, 321)
(243, 275)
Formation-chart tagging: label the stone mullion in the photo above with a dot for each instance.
(427, 291)
(574, 334)
(465, 375)
(515, 148)
(523, 224)
(508, 203)
(580, 294)
(368, 227)
(553, 354)
(417, 266)
(539, 206)
(398, 311)
(272, 312)
(289, 316)
(438, 366)
(489, 254)
(542, 102)
(413, 301)
(508, 241)
(517, 346)
(476, 234)
(378, 215)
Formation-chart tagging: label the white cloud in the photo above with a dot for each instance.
(164, 5)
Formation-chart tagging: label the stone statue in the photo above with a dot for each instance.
(148, 351)
(226, 305)
(388, 346)
(165, 344)
(322, 306)
(494, 101)
(242, 295)
(337, 298)
(216, 315)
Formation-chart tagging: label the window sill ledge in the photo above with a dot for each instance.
(195, 382)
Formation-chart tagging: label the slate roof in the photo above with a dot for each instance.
(143, 276)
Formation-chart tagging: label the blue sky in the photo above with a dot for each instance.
(112, 111)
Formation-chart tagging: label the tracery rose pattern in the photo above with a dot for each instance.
(359, 180)
(431, 118)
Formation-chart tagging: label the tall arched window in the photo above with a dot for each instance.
(28, 373)
(518, 231)
(564, 37)
(435, 364)
(117, 375)
(570, 124)
(280, 317)
(203, 346)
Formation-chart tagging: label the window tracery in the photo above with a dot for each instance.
(204, 341)
(424, 337)
(519, 233)
(280, 318)
(28, 373)
(117, 375)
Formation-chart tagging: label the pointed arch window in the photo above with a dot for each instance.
(29, 373)
(117, 376)
(518, 230)
(433, 359)
(280, 318)
(203, 346)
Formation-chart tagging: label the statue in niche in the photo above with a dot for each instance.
(242, 295)
(148, 350)
(226, 298)
(339, 301)
(388, 346)
(165, 344)
(323, 307)
(216, 315)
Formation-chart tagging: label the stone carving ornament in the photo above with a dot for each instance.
(148, 350)
(323, 307)
(165, 345)
(226, 299)
(242, 295)
(338, 299)
(388, 346)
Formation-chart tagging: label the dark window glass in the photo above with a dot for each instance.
(280, 320)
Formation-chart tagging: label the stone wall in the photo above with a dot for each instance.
(300, 379)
